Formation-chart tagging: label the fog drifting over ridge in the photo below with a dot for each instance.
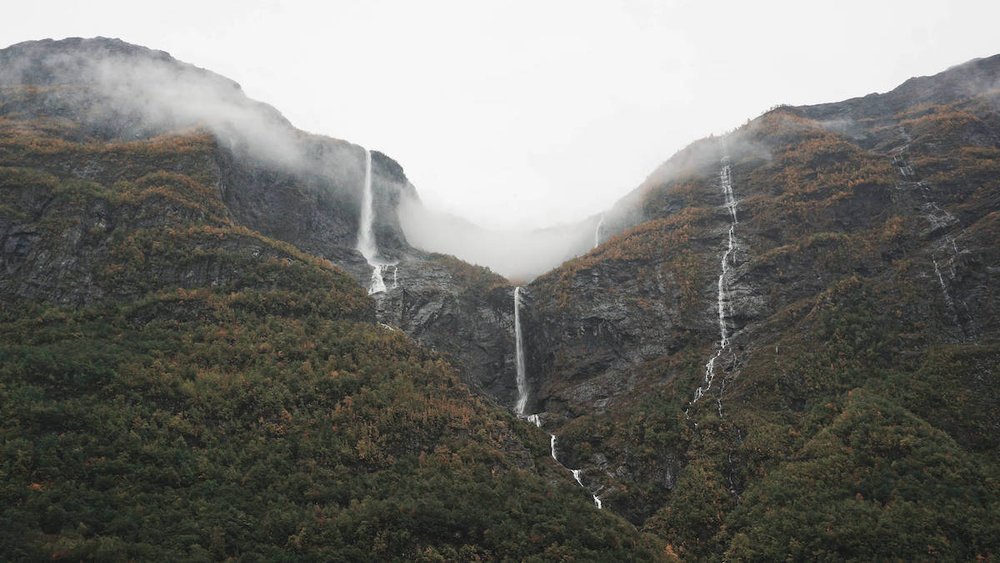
(133, 91)
(126, 92)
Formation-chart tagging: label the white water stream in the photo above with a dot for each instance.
(522, 380)
(723, 297)
(597, 232)
(944, 286)
(522, 393)
(575, 472)
(367, 245)
(938, 218)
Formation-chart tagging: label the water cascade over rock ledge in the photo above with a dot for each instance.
(522, 395)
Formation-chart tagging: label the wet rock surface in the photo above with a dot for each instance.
(463, 312)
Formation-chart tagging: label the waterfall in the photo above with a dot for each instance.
(723, 290)
(522, 393)
(723, 298)
(938, 218)
(944, 291)
(366, 234)
(377, 283)
(597, 232)
(726, 179)
(367, 245)
(944, 288)
(522, 380)
(577, 473)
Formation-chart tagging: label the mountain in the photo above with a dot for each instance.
(784, 345)
(794, 353)
(185, 373)
(298, 188)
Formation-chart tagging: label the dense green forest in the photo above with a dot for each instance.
(202, 425)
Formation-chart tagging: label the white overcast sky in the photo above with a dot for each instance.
(530, 113)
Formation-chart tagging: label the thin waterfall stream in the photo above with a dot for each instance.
(522, 394)
(367, 245)
(723, 297)
(522, 382)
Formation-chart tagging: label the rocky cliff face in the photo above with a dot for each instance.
(464, 312)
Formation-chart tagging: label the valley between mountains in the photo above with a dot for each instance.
(217, 342)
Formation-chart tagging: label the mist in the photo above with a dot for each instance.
(520, 255)
(131, 92)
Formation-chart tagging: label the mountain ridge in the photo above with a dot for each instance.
(845, 252)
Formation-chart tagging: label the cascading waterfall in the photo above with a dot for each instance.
(726, 179)
(522, 380)
(366, 232)
(522, 394)
(377, 284)
(954, 256)
(937, 217)
(944, 286)
(597, 232)
(948, 301)
(723, 299)
(367, 245)
(575, 472)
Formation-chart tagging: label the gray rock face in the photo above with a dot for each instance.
(317, 209)
(462, 311)
(597, 329)
(40, 258)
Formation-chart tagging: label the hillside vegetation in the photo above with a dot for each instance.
(854, 414)
(176, 386)
(190, 370)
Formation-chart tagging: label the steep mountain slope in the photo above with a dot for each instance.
(184, 374)
(794, 351)
(64, 103)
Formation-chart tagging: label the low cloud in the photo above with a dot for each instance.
(131, 92)
(519, 255)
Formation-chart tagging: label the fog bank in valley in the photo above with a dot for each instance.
(519, 255)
